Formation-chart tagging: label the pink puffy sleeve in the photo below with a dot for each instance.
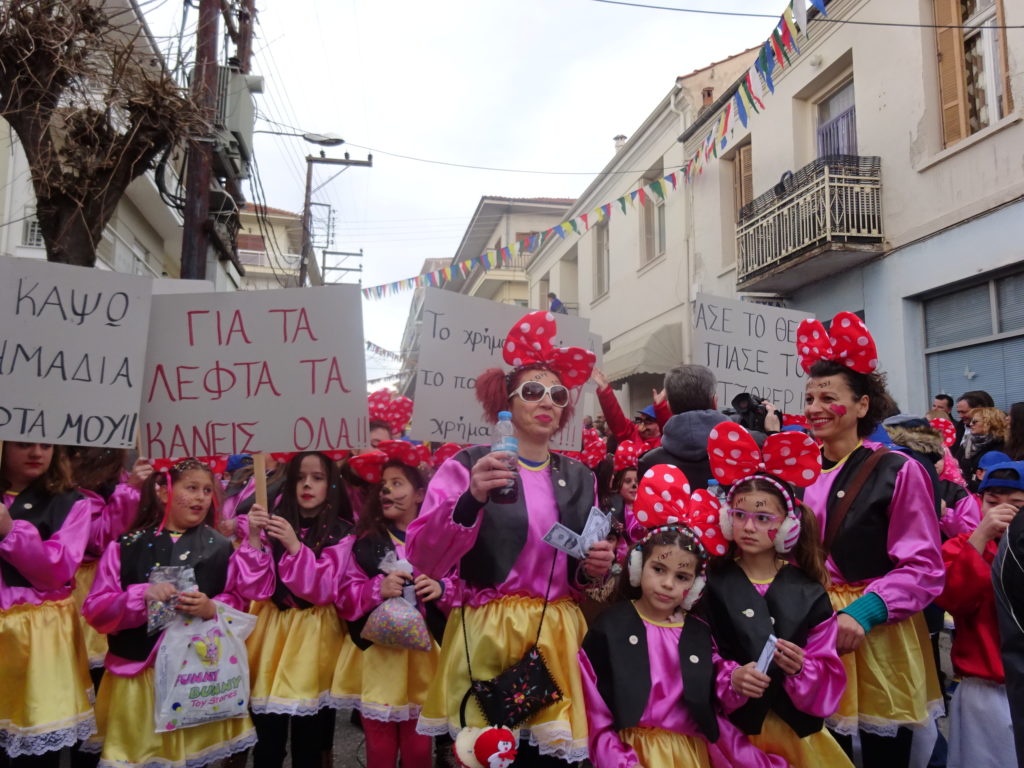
(316, 579)
(964, 517)
(607, 750)
(253, 573)
(818, 687)
(358, 594)
(451, 597)
(228, 510)
(109, 608)
(49, 565)
(116, 517)
(913, 545)
(435, 542)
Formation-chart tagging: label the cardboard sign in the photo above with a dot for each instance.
(462, 336)
(280, 370)
(72, 347)
(751, 348)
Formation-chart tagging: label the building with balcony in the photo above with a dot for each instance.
(269, 247)
(631, 274)
(498, 222)
(883, 177)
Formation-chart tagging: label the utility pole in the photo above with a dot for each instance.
(195, 237)
(307, 238)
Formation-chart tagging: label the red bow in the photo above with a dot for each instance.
(396, 411)
(216, 464)
(594, 452)
(664, 498)
(790, 456)
(847, 342)
(532, 340)
(627, 455)
(795, 420)
(370, 466)
(443, 453)
(948, 430)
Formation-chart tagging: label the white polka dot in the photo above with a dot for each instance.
(641, 516)
(816, 335)
(731, 462)
(711, 518)
(785, 451)
(524, 327)
(648, 490)
(873, 363)
(572, 373)
(510, 346)
(668, 478)
(803, 338)
(536, 345)
(577, 356)
(845, 322)
(666, 496)
(808, 474)
(790, 462)
(720, 549)
(698, 530)
(735, 453)
(659, 507)
(718, 452)
(552, 341)
(862, 340)
(734, 436)
(649, 473)
(714, 434)
(549, 317)
(686, 487)
(754, 454)
(719, 471)
(517, 361)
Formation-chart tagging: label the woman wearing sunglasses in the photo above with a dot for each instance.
(881, 536)
(513, 581)
(989, 430)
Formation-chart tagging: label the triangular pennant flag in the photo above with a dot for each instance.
(789, 32)
(671, 179)
(657, 189)
(750, 92)
(586, 223)
(642, 196)
(575, 228)
(560, 231)
(622, 203)
(741, 112)
(800, 14)
(820, 6)
(607, 210)
(780, 48)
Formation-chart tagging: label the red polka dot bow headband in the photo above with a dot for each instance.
(847, 342)
(946, 429)
(531, 341)
(788, 457)
(627, 455)
(595, 448)
(664, 502)
(216, 464)
(443, 453)
(370, 466)
(396, 411)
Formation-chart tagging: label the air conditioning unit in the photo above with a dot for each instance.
(234, 121)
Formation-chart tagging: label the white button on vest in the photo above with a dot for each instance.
(840, 494)
(28, 506)
(561, 482)
(694, 659)
(633, 639)
(749, 613)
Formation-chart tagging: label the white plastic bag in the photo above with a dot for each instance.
(202, 670)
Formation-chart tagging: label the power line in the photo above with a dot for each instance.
(828, 19)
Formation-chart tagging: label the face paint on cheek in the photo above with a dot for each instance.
(838, 410)
(772, 533)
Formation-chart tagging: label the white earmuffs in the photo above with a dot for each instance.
(696, 590)
(789, 533)
(725, 523)
(636, 567)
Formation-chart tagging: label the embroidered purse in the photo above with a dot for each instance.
(520, 691)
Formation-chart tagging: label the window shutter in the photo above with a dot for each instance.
(952, 80)
(1004, 61)
(743, 178)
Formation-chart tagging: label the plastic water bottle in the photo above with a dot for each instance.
(715, 489)
(506, 441)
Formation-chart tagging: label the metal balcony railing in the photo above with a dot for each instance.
(835, 199)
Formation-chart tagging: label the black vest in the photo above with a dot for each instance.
(616, 646)
(368, 551)
(283, 597)
(860, 549)
(504, 527)
(205, 550)
(797, 604)
(46, 512)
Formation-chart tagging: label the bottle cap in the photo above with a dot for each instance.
(504, 415)
(711, 482)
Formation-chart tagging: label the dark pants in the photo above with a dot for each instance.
(528, 756)
(311, 736)
(879, 751)
(48, 760)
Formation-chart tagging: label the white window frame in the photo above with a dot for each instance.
(31, 232)
(602, 259)
(993, 61)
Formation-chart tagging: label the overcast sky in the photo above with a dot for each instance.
(539, 85)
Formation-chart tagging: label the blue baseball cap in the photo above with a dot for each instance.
(648, 412)
(1017, 467)
(990, 459)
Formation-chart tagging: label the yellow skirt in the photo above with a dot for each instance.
(815, 751)
(292, 655)
(500, 632)
(95, 643)
(657, 747)
(124, 713)
(890, 678)
(395, 684)
(45, 689)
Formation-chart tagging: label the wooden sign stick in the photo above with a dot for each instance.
(259, 473)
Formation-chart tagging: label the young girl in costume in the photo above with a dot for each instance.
(388, 684)
(771, 582)
(175, 526)
(240, 494)
(510, 576)
(297, 638)
(623, 487)
(44, 669)
(881, 542)
(650, 669)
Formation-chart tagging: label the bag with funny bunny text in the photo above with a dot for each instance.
(202, 670)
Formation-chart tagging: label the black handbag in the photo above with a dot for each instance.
(520, 691)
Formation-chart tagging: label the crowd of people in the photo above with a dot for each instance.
(769, 593)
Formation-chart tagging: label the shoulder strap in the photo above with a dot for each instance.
(835, 519)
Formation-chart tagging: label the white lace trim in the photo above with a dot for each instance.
(196, 759)
(847, 726)
(272, 705)
(343, 702)
(554, 738)
(16, 742)
(388, 713)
